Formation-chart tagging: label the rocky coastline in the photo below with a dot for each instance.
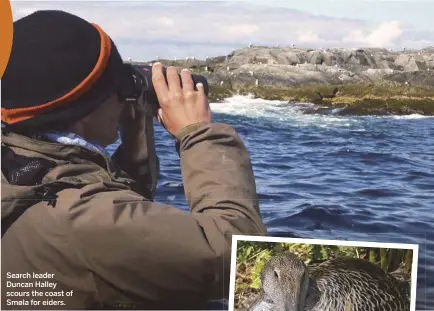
(360, 81)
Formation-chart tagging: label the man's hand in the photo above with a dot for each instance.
(179, 106)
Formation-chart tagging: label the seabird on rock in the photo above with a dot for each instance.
(221, 83)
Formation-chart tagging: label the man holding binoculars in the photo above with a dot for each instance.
(88, 220)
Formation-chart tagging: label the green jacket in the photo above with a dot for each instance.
(81, 217)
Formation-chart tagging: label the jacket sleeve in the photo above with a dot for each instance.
(160, 254)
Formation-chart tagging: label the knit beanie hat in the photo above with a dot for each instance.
(61, 69)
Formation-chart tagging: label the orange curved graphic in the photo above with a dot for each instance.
(6, 33)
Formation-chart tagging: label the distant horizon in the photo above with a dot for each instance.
(143, 30)
(265, 46)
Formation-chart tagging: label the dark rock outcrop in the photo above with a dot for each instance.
(303, 67)
(368, 80)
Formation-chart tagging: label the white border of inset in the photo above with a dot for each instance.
(236, 238)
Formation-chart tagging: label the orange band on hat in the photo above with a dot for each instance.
(15, 115)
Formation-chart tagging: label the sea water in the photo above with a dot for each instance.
(331, 177)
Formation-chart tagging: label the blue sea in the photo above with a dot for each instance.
(325, 176)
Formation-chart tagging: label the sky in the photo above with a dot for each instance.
(145, 30)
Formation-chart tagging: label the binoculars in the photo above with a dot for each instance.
(138, 81)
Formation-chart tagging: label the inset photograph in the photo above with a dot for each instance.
(288, 274)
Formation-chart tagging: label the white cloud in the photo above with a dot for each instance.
(21, 11)
(308, 36)
(165, 21)
(143, 30)
(237, 30)
(383, 36)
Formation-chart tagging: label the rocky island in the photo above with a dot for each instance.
(360, 81)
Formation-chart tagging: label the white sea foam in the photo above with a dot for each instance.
(280, 110)
(293, 112)
(412, 117)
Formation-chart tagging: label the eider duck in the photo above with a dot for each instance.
(341, 284)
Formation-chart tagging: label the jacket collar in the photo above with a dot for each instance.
(68, 138)
(61, 152)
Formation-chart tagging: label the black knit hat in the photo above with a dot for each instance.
(61, 68)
